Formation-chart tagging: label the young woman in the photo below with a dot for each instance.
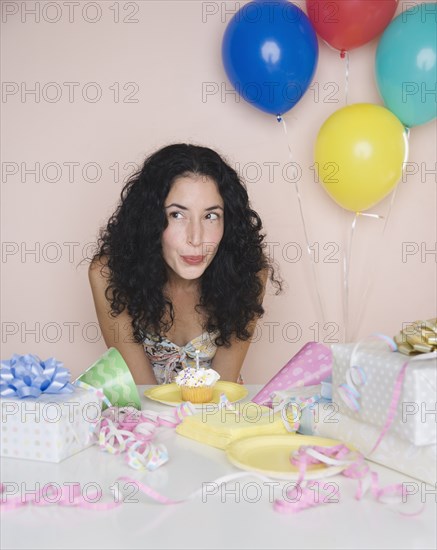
(181, 267)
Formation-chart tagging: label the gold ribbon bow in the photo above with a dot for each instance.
(418, 337)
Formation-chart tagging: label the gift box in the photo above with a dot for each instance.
(311, 365)
(48, 428)
(396, 453)
(366, 373)
(385, 406)
(42, 415)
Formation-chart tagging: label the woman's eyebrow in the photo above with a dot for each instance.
(217, 206)
(177, 206)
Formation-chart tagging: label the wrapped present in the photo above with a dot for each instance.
(311, 365)
(396, 453)
(385, 405)
(42, 415)
(364, 379)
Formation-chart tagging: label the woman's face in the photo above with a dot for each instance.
(195, 214)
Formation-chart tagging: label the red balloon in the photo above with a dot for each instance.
(348, 24)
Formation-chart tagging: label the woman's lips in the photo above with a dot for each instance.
(193, 260)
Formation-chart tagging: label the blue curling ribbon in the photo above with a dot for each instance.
(28, 376)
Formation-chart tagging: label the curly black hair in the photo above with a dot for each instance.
(131, 245)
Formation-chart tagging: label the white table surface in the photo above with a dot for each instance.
(218, 521)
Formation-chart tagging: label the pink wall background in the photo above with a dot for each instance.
(154, 75)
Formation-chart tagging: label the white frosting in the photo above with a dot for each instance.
(197, 378)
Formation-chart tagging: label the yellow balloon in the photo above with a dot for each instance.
(359, 153)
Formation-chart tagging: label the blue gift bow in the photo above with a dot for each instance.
(28, 376)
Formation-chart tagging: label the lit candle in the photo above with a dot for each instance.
(197, 359)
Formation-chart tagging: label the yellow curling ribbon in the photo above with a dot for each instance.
(418, 337)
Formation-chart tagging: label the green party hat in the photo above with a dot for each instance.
(112, 375)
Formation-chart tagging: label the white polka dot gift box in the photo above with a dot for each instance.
(396, 453)
(386, 405)
(42, 415)
(364, 378)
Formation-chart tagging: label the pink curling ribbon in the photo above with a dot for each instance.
(127, 430)
(338, 455)
(53, 493)
(72, 495)
(393, 405)
(119, 430)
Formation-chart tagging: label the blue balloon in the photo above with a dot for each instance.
(406, 65)
(270, 54)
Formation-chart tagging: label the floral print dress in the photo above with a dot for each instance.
(168, 358)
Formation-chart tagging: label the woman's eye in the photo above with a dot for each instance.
(212, 216)
(176, 215)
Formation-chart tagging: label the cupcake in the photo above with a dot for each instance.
(197, 384)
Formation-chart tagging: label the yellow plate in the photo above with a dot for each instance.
(270, 455)
(170, 394)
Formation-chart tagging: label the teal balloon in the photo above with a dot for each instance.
(406, 68)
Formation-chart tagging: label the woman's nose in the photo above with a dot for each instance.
(194, 235)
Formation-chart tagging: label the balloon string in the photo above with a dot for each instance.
(346, 85)
(302, 217)
(346, 270)
(350, 335)
(376, 259)
(374, 263)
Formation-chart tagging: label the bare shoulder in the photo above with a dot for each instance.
(98, 272)
(98, 275)
(263, 275)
